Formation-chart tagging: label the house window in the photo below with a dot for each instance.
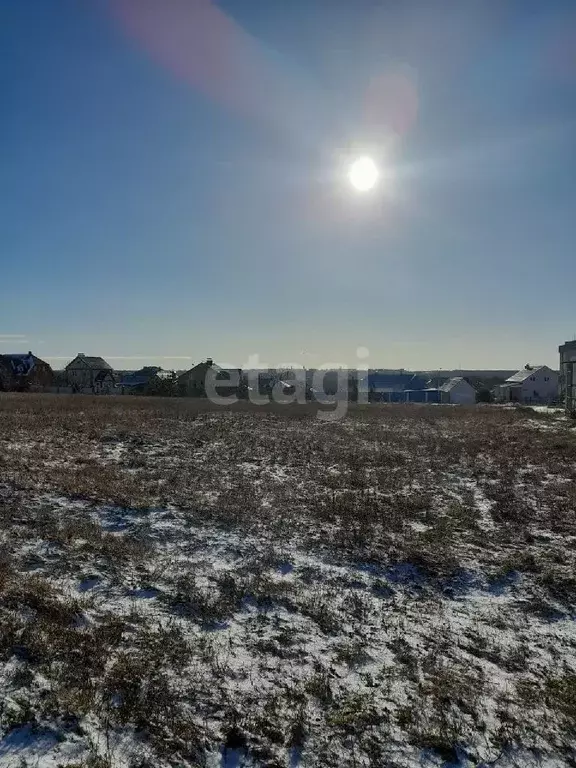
(532, 378)
(546, 378)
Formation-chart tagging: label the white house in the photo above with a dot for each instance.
(533, 384)
(458, 391)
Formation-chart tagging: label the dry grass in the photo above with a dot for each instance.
(180, 583)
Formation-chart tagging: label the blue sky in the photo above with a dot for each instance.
(173, 181)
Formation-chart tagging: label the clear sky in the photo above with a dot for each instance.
(173, 181)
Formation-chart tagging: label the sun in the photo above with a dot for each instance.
(363, 174)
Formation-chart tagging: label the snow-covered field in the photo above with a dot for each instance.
(186, 586)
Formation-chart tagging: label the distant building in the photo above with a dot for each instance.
(458, 391)
(23, 371)
(90, 375)
(567, 380)
(194, 382)
(533, 384)
(392, 387)
(148, 380)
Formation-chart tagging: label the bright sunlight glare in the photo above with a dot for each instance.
(363, 174)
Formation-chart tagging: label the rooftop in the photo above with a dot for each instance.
(21, 363)
(524, 374)
(16, 355)
(453, 382)
(92, 362)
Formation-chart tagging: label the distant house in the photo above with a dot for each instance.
(391, 387)
(193, 383)
(533, 384)
(23, 371)
(90, 374)
(567, 379)
(458, 391)
(148, 380)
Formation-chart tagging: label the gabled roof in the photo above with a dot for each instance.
(449, 385)
(201, 369)
(96, 363)
(524, 374)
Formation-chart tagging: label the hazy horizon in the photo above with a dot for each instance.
(407, 355)
(183, 362)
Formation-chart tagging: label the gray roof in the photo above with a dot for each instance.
(524, 374)
(97, 363)
(201, 369)
(451, 383)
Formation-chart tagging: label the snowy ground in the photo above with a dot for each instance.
(184, 586)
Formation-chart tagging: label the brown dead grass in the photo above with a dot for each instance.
(433, 500)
